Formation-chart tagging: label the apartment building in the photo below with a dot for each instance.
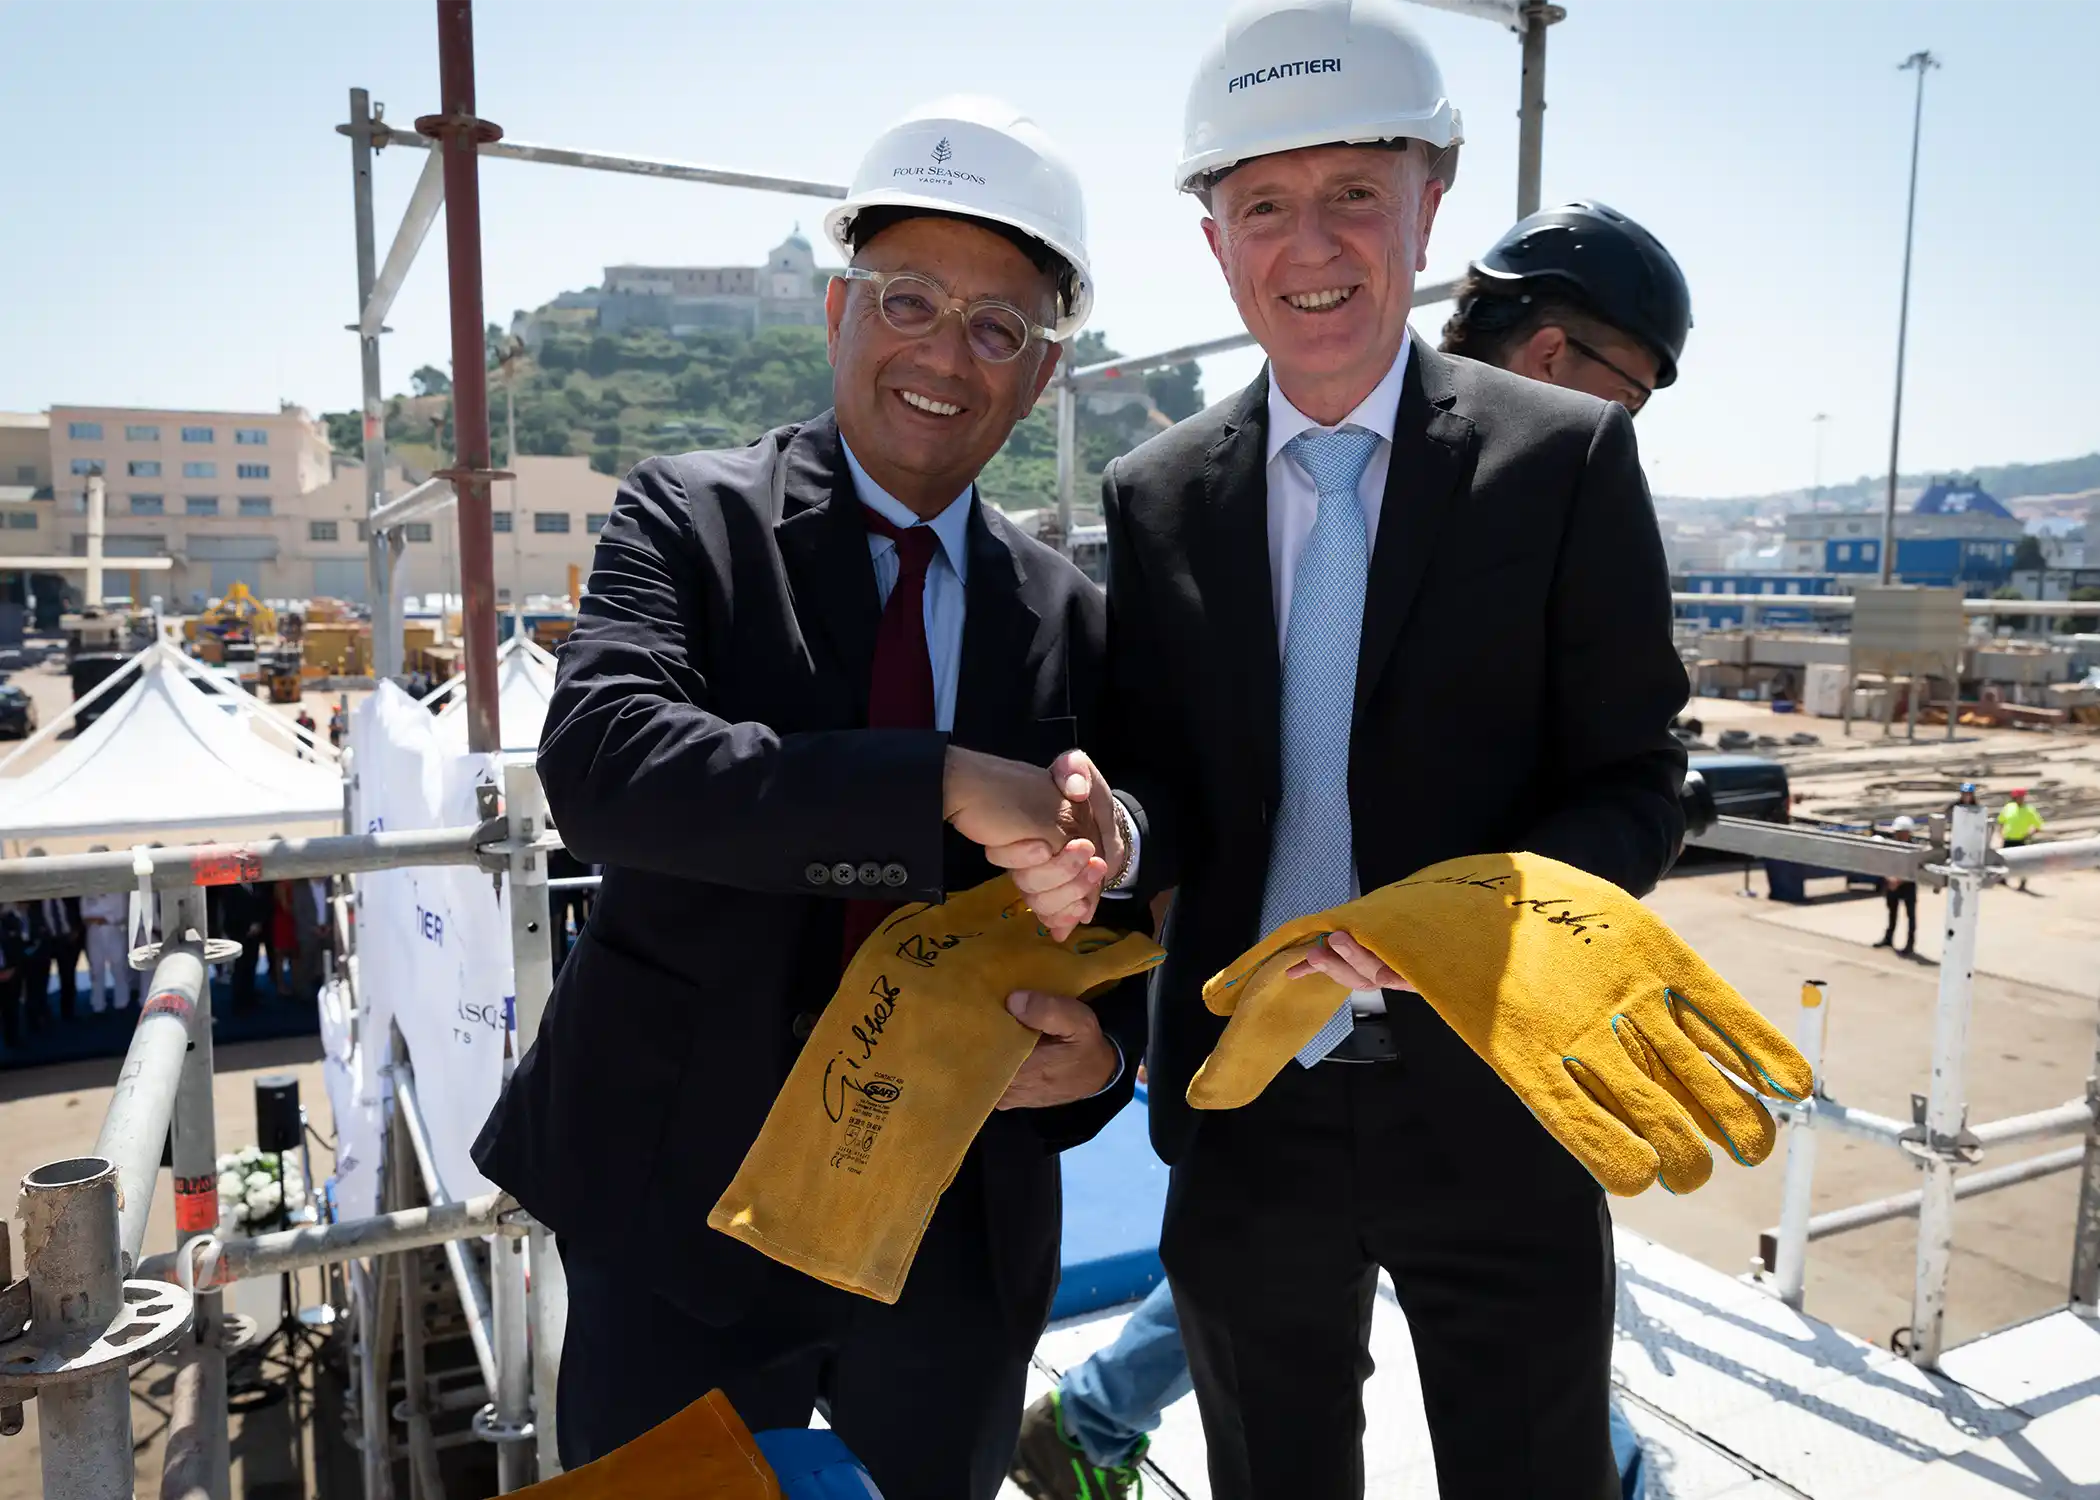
(220, 492)
(545, 520)
(258, 499)
(25, 482)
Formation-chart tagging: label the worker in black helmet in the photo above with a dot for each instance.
(1578, 296)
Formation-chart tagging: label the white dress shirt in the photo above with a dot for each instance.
(1294, 504)
(947, 578)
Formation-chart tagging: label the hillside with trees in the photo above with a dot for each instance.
(2008, 482)
(619, 398)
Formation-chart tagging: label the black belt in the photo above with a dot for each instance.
(1371, 1040)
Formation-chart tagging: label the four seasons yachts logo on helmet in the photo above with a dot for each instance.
(942, 154)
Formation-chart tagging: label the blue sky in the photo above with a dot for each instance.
(178, 206)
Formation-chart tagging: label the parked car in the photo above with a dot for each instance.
(17, 713)
(1745, 786)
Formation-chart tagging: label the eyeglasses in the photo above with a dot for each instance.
(914, 305)
(1594, 357)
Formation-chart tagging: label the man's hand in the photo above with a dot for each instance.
(1072, 1059)
(1349, 963)
(1015, 810)
(1064, 889)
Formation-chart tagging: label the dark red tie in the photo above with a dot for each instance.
(900, 687)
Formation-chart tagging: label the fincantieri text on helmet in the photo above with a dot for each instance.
(1286, 70)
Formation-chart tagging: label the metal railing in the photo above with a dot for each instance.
(86, 1324)
(73, 1326)
(1938, 1139)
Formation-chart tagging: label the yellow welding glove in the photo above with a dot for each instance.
(703, 1453)
(1619, 1038)
(897, 1078)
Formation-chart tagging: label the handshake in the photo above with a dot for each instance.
(1056, 831)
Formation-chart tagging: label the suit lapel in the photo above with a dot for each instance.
(824, 546)
(995, 683)
(1432, 448)
(1232, 549)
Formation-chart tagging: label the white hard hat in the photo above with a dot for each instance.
(1903, 824)
(984, 159)
(1286, 74)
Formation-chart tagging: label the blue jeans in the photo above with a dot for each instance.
(1114, 1397)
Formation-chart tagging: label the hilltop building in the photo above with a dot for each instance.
(788, 290)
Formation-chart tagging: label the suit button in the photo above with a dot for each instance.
(894, 875)
(842, 873)
(870, 873)
(803, 1024)
(817, 874)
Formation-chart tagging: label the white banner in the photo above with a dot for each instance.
(433, 943)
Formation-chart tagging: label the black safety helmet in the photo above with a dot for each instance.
(1614, 265)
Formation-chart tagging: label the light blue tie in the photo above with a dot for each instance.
(1311, 851)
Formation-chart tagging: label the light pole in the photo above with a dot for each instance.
(1919, 63)
(513, 351)
(1816, 492)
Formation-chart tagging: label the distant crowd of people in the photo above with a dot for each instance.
(282, 926)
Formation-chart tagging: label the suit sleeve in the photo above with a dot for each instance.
(1614, 678)
(1141, 736)
(641, 771)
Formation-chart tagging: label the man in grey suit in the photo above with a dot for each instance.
(1382, 608)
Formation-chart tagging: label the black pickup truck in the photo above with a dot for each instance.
(1745, 786)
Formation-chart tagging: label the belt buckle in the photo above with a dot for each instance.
(1370, 1040)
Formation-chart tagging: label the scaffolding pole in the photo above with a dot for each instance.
(198, 1463)
(2085, 1240)
(1790, 1263)
(383, 552)
(136, 1128)
(69, 1218)
(1531, 109)
(546, 1289)
(264, 860)
(1941, 1142)
(458, 131)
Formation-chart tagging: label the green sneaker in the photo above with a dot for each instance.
(1049, 1465)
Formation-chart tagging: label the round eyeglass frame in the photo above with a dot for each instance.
(947, 302)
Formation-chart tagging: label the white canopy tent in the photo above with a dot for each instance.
(167, 754)
(524, 683)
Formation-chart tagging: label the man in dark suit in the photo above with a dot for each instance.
(1380, 609)
(58, 934)
(795, 663)
(241, 911)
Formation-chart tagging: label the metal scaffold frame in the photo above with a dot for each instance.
(94, 1306)
(1938, 1138)
(91, 1306)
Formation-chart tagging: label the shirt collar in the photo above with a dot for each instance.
(1378, 412)
(951, 528)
